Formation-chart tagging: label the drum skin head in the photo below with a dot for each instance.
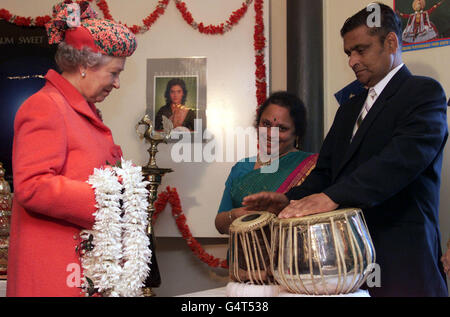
(250, 221)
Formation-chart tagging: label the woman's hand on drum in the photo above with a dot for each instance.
(266, 201)
(238, 212)
(224, 219)
(309, 205)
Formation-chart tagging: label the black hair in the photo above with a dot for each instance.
(174, 82)
(389, 22)
(295, 105)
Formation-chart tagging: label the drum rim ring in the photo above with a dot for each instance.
(318, 218)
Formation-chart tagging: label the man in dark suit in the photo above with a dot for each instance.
(382, 154)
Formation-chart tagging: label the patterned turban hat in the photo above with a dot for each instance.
(77, 25)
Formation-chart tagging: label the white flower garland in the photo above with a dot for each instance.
(118, 263)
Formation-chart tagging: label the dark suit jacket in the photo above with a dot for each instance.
(391, 170)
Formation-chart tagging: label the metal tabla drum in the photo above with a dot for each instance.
(322, 254)
(249, 247)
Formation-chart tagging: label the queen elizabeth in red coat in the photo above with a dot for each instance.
(59, 139)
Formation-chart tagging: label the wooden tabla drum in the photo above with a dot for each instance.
(249, 247)
(322, 254)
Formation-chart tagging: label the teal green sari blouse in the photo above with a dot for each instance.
(244, 180)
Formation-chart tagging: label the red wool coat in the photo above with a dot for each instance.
(58, 141)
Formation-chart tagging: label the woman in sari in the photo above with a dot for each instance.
(286, 112)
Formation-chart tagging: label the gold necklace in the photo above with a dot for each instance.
(260, 163)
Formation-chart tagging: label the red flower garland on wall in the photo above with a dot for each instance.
(171, 196)
(260, 44)
(147, 21)
(23, 21)
(103, 6)
(221, 28)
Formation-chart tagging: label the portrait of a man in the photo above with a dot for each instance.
(176, 93)
(179, 102)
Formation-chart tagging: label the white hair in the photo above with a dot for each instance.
(69, 58)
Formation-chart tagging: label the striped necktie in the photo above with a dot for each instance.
(367, 105)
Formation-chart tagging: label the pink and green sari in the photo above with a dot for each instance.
(244, 180)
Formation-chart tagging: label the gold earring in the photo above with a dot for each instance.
(83, 74)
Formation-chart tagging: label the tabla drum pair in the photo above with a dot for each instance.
(322, 254)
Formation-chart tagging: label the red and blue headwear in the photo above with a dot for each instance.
(77, 25)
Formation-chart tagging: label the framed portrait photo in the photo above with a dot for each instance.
(176, 89)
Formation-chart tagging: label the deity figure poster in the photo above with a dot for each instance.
(426, 23)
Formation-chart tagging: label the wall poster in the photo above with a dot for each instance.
(426, 23)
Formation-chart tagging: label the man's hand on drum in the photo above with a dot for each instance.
(309, 205)
(266, 201)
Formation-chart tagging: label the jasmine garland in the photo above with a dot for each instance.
(116, 264)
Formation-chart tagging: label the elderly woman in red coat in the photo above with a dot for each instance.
(59, 140)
